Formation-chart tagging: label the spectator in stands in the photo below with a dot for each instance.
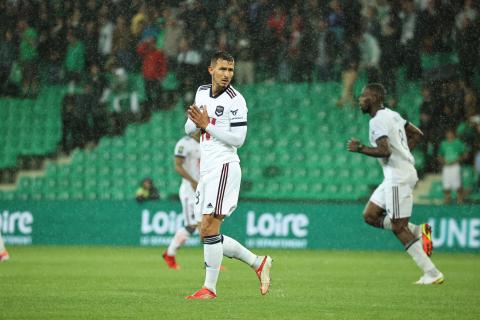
(68, 122)
(122, 45)
(90, 39)
(75, 20)
(427, 125)
(430, 20)
(123, 98)
(370, 56)
(123, 92)
(81, 128)
(90, 10)
(350, 63)
(244, 64)
(467, 41)
(139, 21)
(294, 46)
(471, 105)
(337, 21)
(28, 58)
(389, 46)
(8, 55)
(75, 58)
(477, 170)
(276, 44)
(410, 40)
(43, 25)
(188, 63)
(95, 86)
(105, 38)
(452, 153)
(204, 39)
(147, 191)
(57, 47)
(371, 21)
(475, 120)
(324, 45)
(174, 30)
(154, 68)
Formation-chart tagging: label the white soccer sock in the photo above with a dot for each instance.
(213, 255)
(2, 244)
(178, 240)
(415, 229)
(233, 249)
(415, 251)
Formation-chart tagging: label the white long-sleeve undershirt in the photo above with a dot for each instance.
(235, 138)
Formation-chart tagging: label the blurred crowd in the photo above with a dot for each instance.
(277, 40)
(98, 45)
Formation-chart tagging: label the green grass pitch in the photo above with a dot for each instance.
(134, 283)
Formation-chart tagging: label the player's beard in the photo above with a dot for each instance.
(366, 108)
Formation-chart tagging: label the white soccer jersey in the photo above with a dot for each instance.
(399, 167)
(189, 149)
(226, 110)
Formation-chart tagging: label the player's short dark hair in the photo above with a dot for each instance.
(223, 55)
(378, 89)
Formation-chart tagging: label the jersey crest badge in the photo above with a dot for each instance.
(219, 111)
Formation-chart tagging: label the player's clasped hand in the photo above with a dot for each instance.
(199, 117)
(353, 145)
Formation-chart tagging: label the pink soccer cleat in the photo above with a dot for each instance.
(202, 294)
(170, 261)
(4, 256)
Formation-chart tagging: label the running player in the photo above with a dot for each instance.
(220, 113)
(4, 256)
(187, 164)
(390, 205)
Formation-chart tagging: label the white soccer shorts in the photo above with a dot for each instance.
(217, 191)
(396, 199)
(187, 198)
(451, 177)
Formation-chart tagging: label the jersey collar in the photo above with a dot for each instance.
(218, 94)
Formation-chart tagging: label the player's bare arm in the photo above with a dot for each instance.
(381, 151)
(179, 161)
(414, 135)
(199, 117)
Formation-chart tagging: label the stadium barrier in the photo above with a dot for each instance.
(269, 225)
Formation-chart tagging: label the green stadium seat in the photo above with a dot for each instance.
(291, 152)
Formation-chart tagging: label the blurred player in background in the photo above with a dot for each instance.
(187, 164)
(4, 256)
(220, 113)
(390, 205)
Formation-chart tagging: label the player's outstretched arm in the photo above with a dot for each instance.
(381, 151)
(414, 135)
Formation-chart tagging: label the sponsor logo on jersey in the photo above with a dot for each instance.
(219, 111)
(234, 112)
